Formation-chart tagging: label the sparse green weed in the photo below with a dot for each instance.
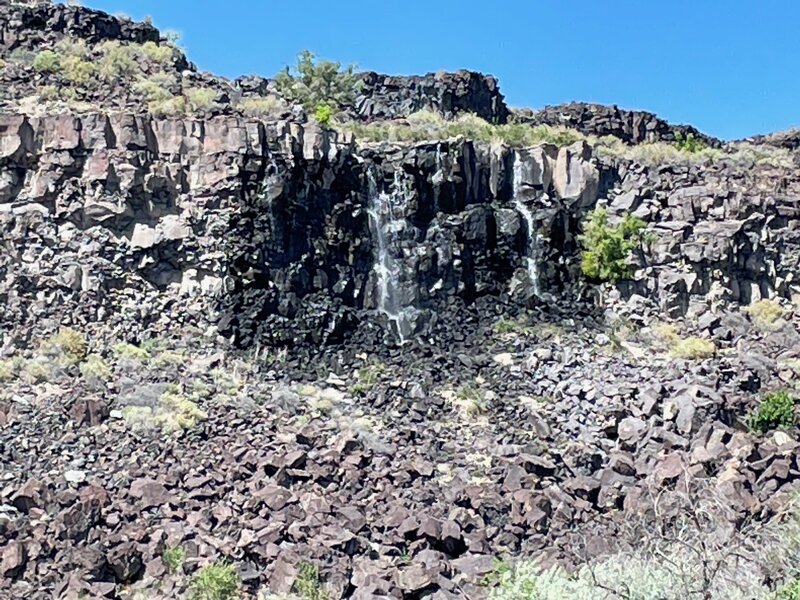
(218, 581)
(776, 411)
(173, 558)
(367, 377)
(307, 585)
(263, 106)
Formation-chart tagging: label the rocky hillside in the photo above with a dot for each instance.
(363, 358)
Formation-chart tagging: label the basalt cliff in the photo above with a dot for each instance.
(385, 358)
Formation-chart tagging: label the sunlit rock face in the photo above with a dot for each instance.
(294, 232)
(278, 229)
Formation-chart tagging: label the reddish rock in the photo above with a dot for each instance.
(13, 559)
(149, 492)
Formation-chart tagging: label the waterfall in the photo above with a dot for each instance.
(532, 264)
(389, 228)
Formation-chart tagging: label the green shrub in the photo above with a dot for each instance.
(173, 412)
(216, 582)
(168, 107)
(48, 92)
(37, 371)
(307, 585)
(117, 61)
(155, 345)
(153, 90)
(504, 326)
(776, 411)
(94, 367)
(70, 345)
(75, 63)
(790, 591)
(173, 37)
(8, 371)
(9, 368)
(162, 55)
(126, 350)
(179, 411)
(229, 383)
(72, 48)
(525, 581)
(313, 82)
(169, 358)
(69, 94)
(47, 61)
(606, 249)
(679, 576)
(468, 400)
(200, 98)
(427, 125)
(689, 348)
(263, 106)
(78, 70)
(693, 348)
(689, 143)
(495, 576)
(323, 114)
(21, 56)
(765, 313)
(173, 558)
(367, 377)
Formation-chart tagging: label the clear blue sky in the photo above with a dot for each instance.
(729, 67)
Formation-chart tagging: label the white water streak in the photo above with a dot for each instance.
(387, 228)
(531, 261)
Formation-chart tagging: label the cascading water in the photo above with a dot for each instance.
(389, 228)
(531, 261)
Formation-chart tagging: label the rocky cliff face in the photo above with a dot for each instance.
(266, 230)
(396, 368)
(33, 25)
(259, 224)
(631, 126)
(451, 94)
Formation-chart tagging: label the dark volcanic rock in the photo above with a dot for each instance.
(631, 126)
(375, 363)
(451, 94)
